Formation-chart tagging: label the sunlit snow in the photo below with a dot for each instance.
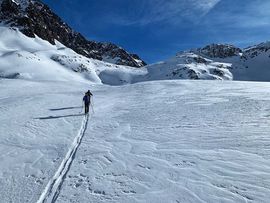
(151, 141)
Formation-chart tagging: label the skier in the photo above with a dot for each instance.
(87, 101)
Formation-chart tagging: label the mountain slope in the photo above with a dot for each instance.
(252, 63)
(216, 61)
(188, 66)
(28, 58)
(35, 18)
(36, 59)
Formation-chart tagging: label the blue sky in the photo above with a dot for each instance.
(158, 29)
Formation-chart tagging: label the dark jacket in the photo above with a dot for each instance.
(86, 99)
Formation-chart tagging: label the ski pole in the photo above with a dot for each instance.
(92, 106)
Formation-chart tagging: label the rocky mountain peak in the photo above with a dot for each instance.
(219, 50)
(33, 17)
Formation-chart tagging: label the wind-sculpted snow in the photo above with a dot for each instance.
(163, 141)
(175, 141)
(53, 188)
(39, 122)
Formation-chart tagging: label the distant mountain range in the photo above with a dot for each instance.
(33, 17)
(106, 62)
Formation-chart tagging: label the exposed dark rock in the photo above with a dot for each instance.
(200, 59)
(218, 72)
(193, 75)
(220, 51)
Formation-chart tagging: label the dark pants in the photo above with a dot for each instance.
(86, 107)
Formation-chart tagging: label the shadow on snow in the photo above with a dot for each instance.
(66, 108)
(64, 116)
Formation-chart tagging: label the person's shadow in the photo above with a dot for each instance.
(55, 117)
(66, 108)
(63, 116)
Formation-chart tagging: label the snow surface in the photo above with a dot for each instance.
(36, 59)
(29, 58)
(163, 141)
(159, 141)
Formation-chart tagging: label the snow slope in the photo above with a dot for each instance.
(31, 145)
(175, 141)
(188, 66)
(249, 64)
(167, 141)
(254, 64)
(216, 61)
(36, 59)
(26, 58)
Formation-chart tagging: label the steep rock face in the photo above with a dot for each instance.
(35, 18)
(219, 51)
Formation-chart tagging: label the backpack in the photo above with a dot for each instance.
(86, 99)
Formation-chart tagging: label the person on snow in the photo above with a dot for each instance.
(87, 101)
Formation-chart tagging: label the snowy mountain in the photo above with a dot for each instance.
(252, 63)
(36, 59)
(218, 51)
(33, 17)
(188, 66)
(216, 61)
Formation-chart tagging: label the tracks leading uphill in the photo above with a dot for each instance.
(53, 188)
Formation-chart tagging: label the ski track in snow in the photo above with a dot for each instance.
(163, 141)
(52, 190)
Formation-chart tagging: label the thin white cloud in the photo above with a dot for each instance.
(254, 15)
(171, 11)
